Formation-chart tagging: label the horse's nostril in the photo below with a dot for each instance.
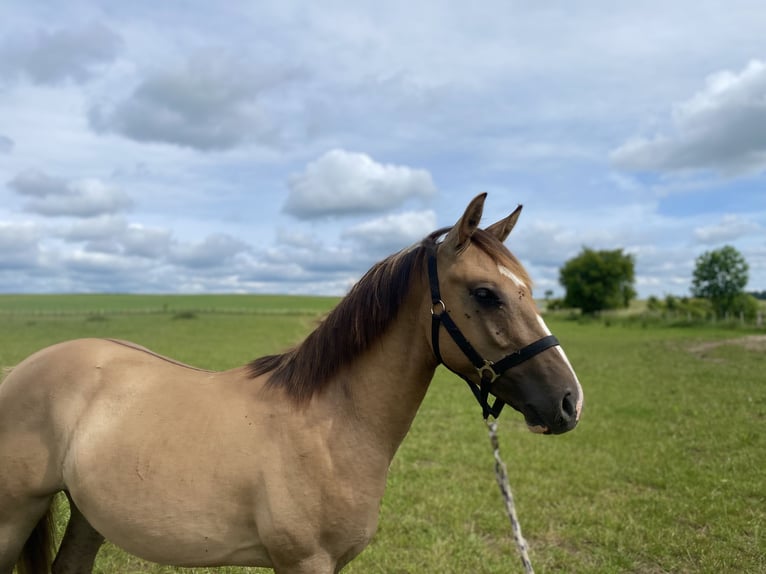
(568, 409)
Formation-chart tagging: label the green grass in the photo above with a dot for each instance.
(150, 304)
(664, 473)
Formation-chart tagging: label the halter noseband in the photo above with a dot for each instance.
(488, 371)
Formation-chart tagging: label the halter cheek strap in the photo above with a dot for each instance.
(488, 371)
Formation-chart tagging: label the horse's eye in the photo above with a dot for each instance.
(486, 297)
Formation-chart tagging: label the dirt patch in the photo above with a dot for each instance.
(750, 342)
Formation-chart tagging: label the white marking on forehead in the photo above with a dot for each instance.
(578, 406)
(511, 275)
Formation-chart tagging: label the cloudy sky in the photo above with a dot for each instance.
(283, 147)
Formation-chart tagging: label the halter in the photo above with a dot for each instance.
(488, 371)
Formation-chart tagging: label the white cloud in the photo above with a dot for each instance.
(213, 251)
(100, 263)
(53, 197)
(95, 228)
(54, 56)
(212, 101)
(296, 239)
(34, 183)
(392, 232)
(722, 128)
(19, 245)
(319, 258)
(142, 241)
(342, 183)
(113, 234)
(730, 227)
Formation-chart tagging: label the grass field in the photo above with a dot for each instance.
(664, 473)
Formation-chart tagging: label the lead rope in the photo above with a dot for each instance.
(501, 474)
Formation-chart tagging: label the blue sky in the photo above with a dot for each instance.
(284, 147)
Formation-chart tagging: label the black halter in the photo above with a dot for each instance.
(488, 371)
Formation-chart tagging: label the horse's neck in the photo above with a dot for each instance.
(385, 387)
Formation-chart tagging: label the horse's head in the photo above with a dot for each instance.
(486, 295)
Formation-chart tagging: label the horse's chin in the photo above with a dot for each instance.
(538, 429)
(534, 421)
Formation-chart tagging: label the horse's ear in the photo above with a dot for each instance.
(459, 236)
(502, 229)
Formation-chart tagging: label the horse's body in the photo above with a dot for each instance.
(235, 469)
(258, 465)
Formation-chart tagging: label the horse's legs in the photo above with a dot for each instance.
(18, 519)
(79, 546)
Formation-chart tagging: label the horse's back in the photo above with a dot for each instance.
(51, 371)
(54, 386)
(70, 390)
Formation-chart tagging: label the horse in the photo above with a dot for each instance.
(282, 462)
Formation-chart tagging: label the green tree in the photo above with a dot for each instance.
(720, 276)
(598, 280)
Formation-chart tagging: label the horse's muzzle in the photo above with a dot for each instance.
(560, 419)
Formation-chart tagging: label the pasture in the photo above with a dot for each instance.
(664, 473)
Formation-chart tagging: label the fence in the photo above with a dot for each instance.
(172, 312)
(712, 318)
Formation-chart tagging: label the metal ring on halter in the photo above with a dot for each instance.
(444, 308)
(487, 367)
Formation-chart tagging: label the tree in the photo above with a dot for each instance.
(720, 276)
(597, 280)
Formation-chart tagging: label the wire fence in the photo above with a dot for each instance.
(677, 318)
(727, 319)
(172, 312)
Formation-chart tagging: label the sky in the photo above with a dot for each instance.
(284, 147)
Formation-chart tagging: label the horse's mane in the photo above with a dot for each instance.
(360, 318)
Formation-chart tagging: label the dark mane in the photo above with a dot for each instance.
(348, 331)
(360, 319)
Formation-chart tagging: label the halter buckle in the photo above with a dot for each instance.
(487, 369)
(436, 304)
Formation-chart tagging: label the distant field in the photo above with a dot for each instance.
(120, 303)
(663, 475)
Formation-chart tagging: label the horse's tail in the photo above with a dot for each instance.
(37, 554)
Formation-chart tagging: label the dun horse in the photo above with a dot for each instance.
(282, 462)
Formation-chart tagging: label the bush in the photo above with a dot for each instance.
(685, 308)
(554, 304)
(653, 304)
(745, 305)
(185, 315)
(598, 280)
